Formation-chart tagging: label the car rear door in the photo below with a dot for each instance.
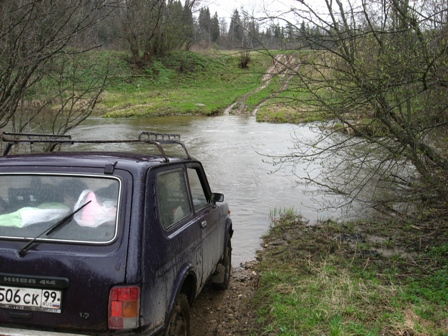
(172, 239)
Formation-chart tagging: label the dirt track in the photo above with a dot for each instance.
(219, 313)
(284, 66)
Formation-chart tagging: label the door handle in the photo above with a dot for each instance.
(203, 224)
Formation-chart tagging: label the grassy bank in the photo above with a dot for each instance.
(353, 279)
(192, 83)
(181, 83)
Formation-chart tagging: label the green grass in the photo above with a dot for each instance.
(183, 83)
(179, 83)
(318, 284)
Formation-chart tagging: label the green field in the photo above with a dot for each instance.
(178, 83)
(181, 83)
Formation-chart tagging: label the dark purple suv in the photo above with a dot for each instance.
(106, 243)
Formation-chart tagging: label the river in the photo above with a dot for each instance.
(232, 150)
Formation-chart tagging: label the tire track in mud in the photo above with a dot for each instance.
(284, 66)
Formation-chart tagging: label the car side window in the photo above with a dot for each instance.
(173, 198)
(197, 191)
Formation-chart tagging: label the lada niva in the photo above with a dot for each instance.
(106, 242)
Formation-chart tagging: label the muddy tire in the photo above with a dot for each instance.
(179, 323)
(224, 269)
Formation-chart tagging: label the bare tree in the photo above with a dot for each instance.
(67, 95)
(155, 27)
(34, 34)
(379, 69)
(140, 21)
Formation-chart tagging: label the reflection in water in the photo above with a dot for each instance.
(230, 149)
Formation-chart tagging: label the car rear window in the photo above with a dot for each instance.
(83, 208)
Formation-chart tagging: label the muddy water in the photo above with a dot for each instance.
(231, 149)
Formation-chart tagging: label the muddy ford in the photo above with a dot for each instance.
(106, 243)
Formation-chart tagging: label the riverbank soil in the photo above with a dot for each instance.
(228, 312)
(336, 279)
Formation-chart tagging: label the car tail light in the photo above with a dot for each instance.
(124, 306)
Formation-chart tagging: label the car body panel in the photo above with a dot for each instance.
(162, 260)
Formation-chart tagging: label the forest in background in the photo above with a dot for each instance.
(151, 28)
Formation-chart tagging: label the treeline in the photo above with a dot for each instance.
(149, 28)
(245, 32)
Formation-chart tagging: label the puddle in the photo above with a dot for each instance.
(373, 245)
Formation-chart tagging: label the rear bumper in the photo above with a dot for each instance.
(24, 332)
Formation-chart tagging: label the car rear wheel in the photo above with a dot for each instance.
(179, 323)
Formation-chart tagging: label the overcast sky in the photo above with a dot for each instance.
(225, 8)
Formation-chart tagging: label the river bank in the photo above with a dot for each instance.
(332, 279)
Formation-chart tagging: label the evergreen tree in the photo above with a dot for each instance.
(214, 28)
(236, 31)
(253, 29)
(173, 32)
(205, 23)
(188, 24)
(277, 31)
(290, 31)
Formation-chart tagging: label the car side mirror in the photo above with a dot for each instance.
(217, 197)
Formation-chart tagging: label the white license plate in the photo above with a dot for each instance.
(47, 300)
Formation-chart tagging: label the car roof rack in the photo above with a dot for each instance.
(54, 140)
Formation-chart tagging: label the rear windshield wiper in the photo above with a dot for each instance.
(51, 230)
